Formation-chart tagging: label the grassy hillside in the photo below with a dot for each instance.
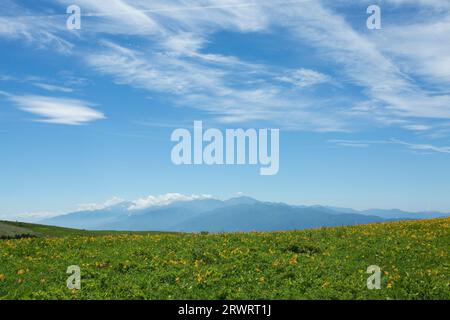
(9, 229)
(14, 230)
(326, 263)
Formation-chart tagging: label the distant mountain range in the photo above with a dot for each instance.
(236, 214)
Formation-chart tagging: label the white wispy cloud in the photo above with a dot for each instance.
(421, 48)
(51, 87)
(171, 61)
(441, 4)
(99, 206)
(63, 82)
(363, 63)
(162, 18)
(35, 216)
(416, 127)
(165, 199)
(409, 145)
(422, 147)
(352, 144)
(142, 203)
(57, 110)
(40, 32)
(181, 70)
(304, 78)
(210, 84)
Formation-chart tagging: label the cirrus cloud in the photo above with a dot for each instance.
(57, 110)
(165, 199)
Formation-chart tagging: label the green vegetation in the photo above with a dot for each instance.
(15, 231)
(327, 263)
(9, 229)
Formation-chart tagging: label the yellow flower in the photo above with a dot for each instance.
(2, 276)
(293, 260)
(21, 272)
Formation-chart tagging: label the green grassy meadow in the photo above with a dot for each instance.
(328, 263)
(9, 229)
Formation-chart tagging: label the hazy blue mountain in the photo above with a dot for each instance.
(387, 214)
(399, 214)
(341, 210)
(162, 219)
(268, 217)
(90, 219)
(202, 205)
(169, 216)
(240, 200)
(236, 214)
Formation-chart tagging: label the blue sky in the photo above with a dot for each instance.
(86, 115)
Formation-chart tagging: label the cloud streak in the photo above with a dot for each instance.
(162, 200)
(53, 88)
(99, 206)
(303, 78)
(408, 145)
(57, 110)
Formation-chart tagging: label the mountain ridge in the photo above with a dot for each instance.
(234, 214)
